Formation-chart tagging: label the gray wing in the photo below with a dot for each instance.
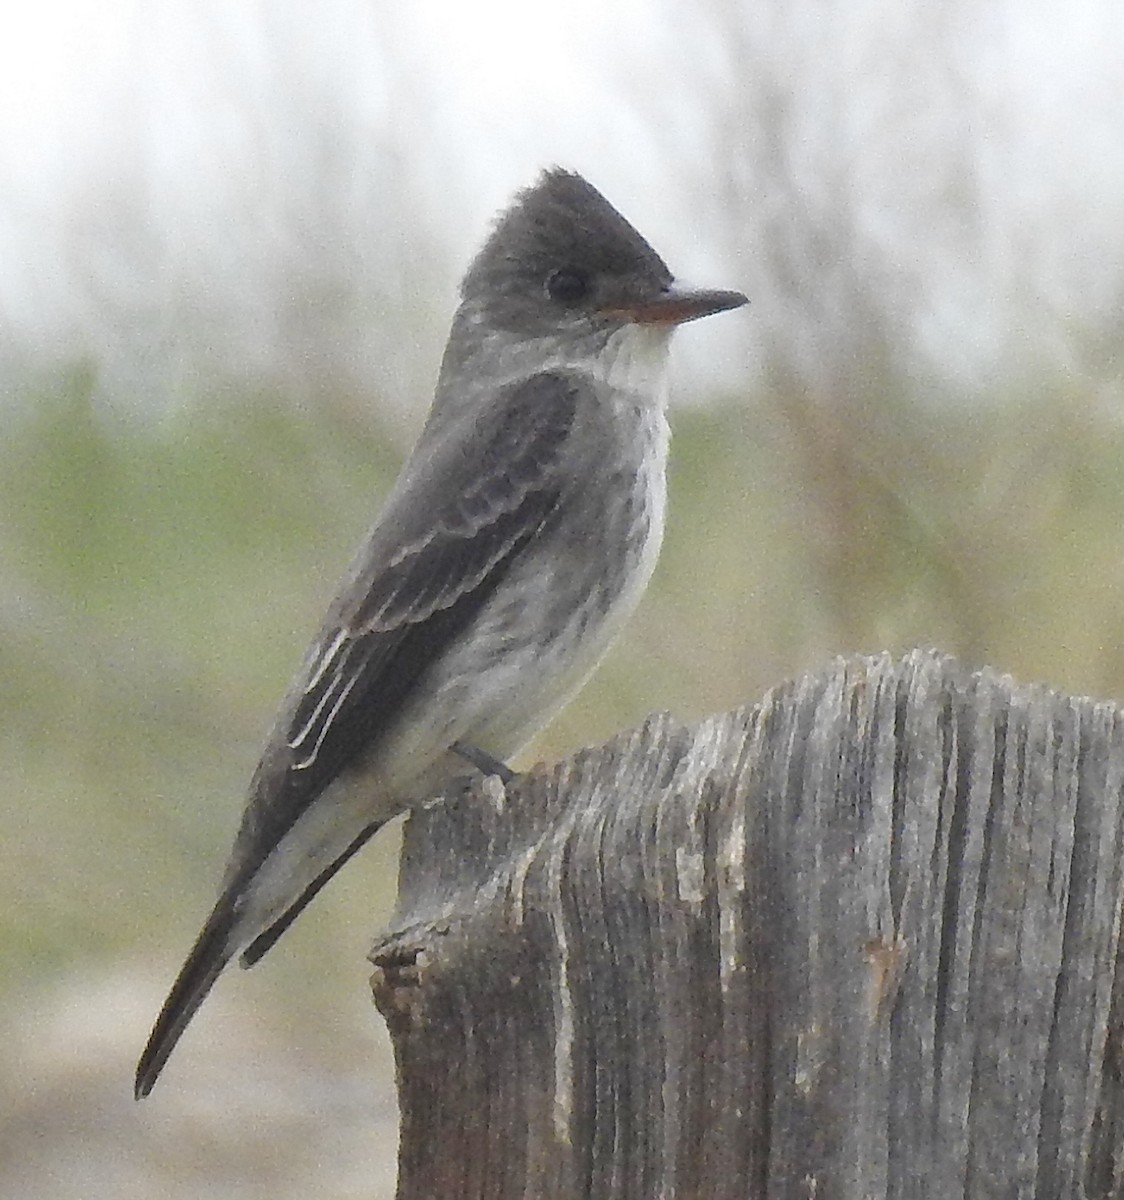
(453, 526)
(435, 557)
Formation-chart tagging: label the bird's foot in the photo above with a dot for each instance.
(484, 762)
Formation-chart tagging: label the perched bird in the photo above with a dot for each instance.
(519, 535)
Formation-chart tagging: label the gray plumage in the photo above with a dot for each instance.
(521, 532)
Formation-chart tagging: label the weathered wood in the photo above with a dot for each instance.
(858, 941)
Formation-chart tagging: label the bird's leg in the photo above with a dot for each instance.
(483, 761)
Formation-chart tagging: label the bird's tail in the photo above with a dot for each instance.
(237, 924)
(265, 940)
(213, 949)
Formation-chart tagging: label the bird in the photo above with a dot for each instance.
(518, 537)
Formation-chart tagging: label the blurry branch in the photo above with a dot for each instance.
(854, 160)
(859, 941)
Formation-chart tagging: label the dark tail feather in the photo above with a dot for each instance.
(211, 952)
(213, 949)
(264, 941)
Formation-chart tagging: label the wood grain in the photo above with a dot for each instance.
(857, 941)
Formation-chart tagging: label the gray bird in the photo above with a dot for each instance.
(518, 537)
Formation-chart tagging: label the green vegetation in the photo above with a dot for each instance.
(161, 580)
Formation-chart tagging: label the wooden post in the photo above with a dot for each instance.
(858, 941)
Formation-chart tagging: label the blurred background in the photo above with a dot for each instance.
(230, 236)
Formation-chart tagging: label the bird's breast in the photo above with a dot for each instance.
(571, 594)
(563, 599)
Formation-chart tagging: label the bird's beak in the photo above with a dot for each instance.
(677, 303)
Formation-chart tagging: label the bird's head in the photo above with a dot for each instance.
(562, 261)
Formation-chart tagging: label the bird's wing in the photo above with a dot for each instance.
(451, 529)
(445, 541)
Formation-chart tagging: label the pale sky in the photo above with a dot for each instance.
(179, 177)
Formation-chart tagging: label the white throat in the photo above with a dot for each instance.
(635, 360)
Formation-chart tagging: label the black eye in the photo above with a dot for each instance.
(567, 285)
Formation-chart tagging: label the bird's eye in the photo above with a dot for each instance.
(567, 285)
